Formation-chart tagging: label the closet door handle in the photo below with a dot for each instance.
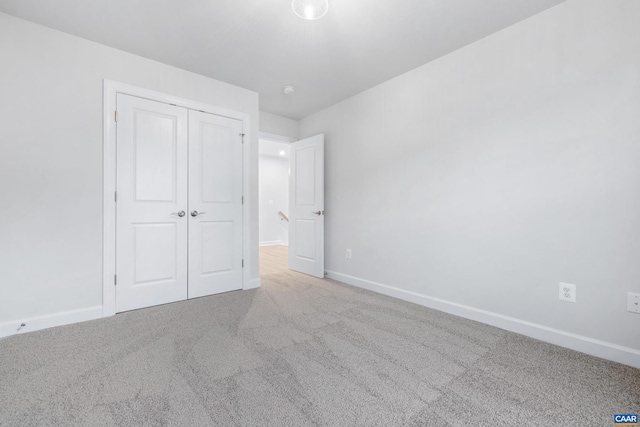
(196, 213)
(180, 214)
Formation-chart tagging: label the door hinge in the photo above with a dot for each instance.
(242, 135)
(243, 200)
(116, 116)
(115, 196)
(242, 263)
(115, 280)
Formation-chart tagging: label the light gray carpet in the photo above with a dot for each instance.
(302, 351)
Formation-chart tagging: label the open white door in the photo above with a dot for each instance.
(306, 206)
(215, 204)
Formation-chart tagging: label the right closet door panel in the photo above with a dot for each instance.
(215, 204)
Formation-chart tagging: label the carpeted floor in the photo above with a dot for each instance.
(302, 351)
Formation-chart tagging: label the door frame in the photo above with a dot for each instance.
(110, 90)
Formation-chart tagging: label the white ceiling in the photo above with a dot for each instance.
(274, 149)
(261, 45)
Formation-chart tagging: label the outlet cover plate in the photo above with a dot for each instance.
(633, 302)
(567, 292)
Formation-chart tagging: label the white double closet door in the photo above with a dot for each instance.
(179, 203)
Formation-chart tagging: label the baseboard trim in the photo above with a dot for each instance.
(594, 347)
(49, 321)
(271, 243)
(251, 284)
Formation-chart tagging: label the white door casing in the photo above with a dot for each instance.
(306, 206)
(151, 232)
(215, 204)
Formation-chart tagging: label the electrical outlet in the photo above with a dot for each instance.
(633, 302)
(349, 253)
(567, 292)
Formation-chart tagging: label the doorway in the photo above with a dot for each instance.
(291, 209)
(273, 207)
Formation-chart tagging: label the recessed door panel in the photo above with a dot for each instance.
(217, 238)
(151, 182)
(155, 154)
(305, 247)
(158, 265)
(305, 177)
(306, 206)
(216, 162)
(215, 204)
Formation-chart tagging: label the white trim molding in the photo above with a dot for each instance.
(49, 321)
(593, 347)
(251, 284)
(271, 243)
(110, 91)
(275, 138)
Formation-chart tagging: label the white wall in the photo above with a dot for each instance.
(488, 176)
(274, 187)
(278, 125)
(51, 161)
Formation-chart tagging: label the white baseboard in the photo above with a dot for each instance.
(594, 347)
(252, 284)
(271, 243)
(49, 321)
(67, 317)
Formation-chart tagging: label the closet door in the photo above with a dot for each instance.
(151, 231)
(215, 204)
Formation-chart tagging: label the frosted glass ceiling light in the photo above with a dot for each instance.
(310, 9)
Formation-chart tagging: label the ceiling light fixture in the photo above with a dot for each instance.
(282, 152)
(289, 90)
(310, 9)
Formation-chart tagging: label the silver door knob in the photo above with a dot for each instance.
(318, 213)
(196, 213)
(180, 214)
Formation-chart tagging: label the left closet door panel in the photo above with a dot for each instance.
(151, 208)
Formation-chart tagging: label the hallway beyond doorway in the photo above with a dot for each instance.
(273, 259)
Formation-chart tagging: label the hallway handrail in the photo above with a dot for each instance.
(283, 216)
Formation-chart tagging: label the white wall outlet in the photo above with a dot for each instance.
(349, 253)
(567, 292)
(633, 302)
